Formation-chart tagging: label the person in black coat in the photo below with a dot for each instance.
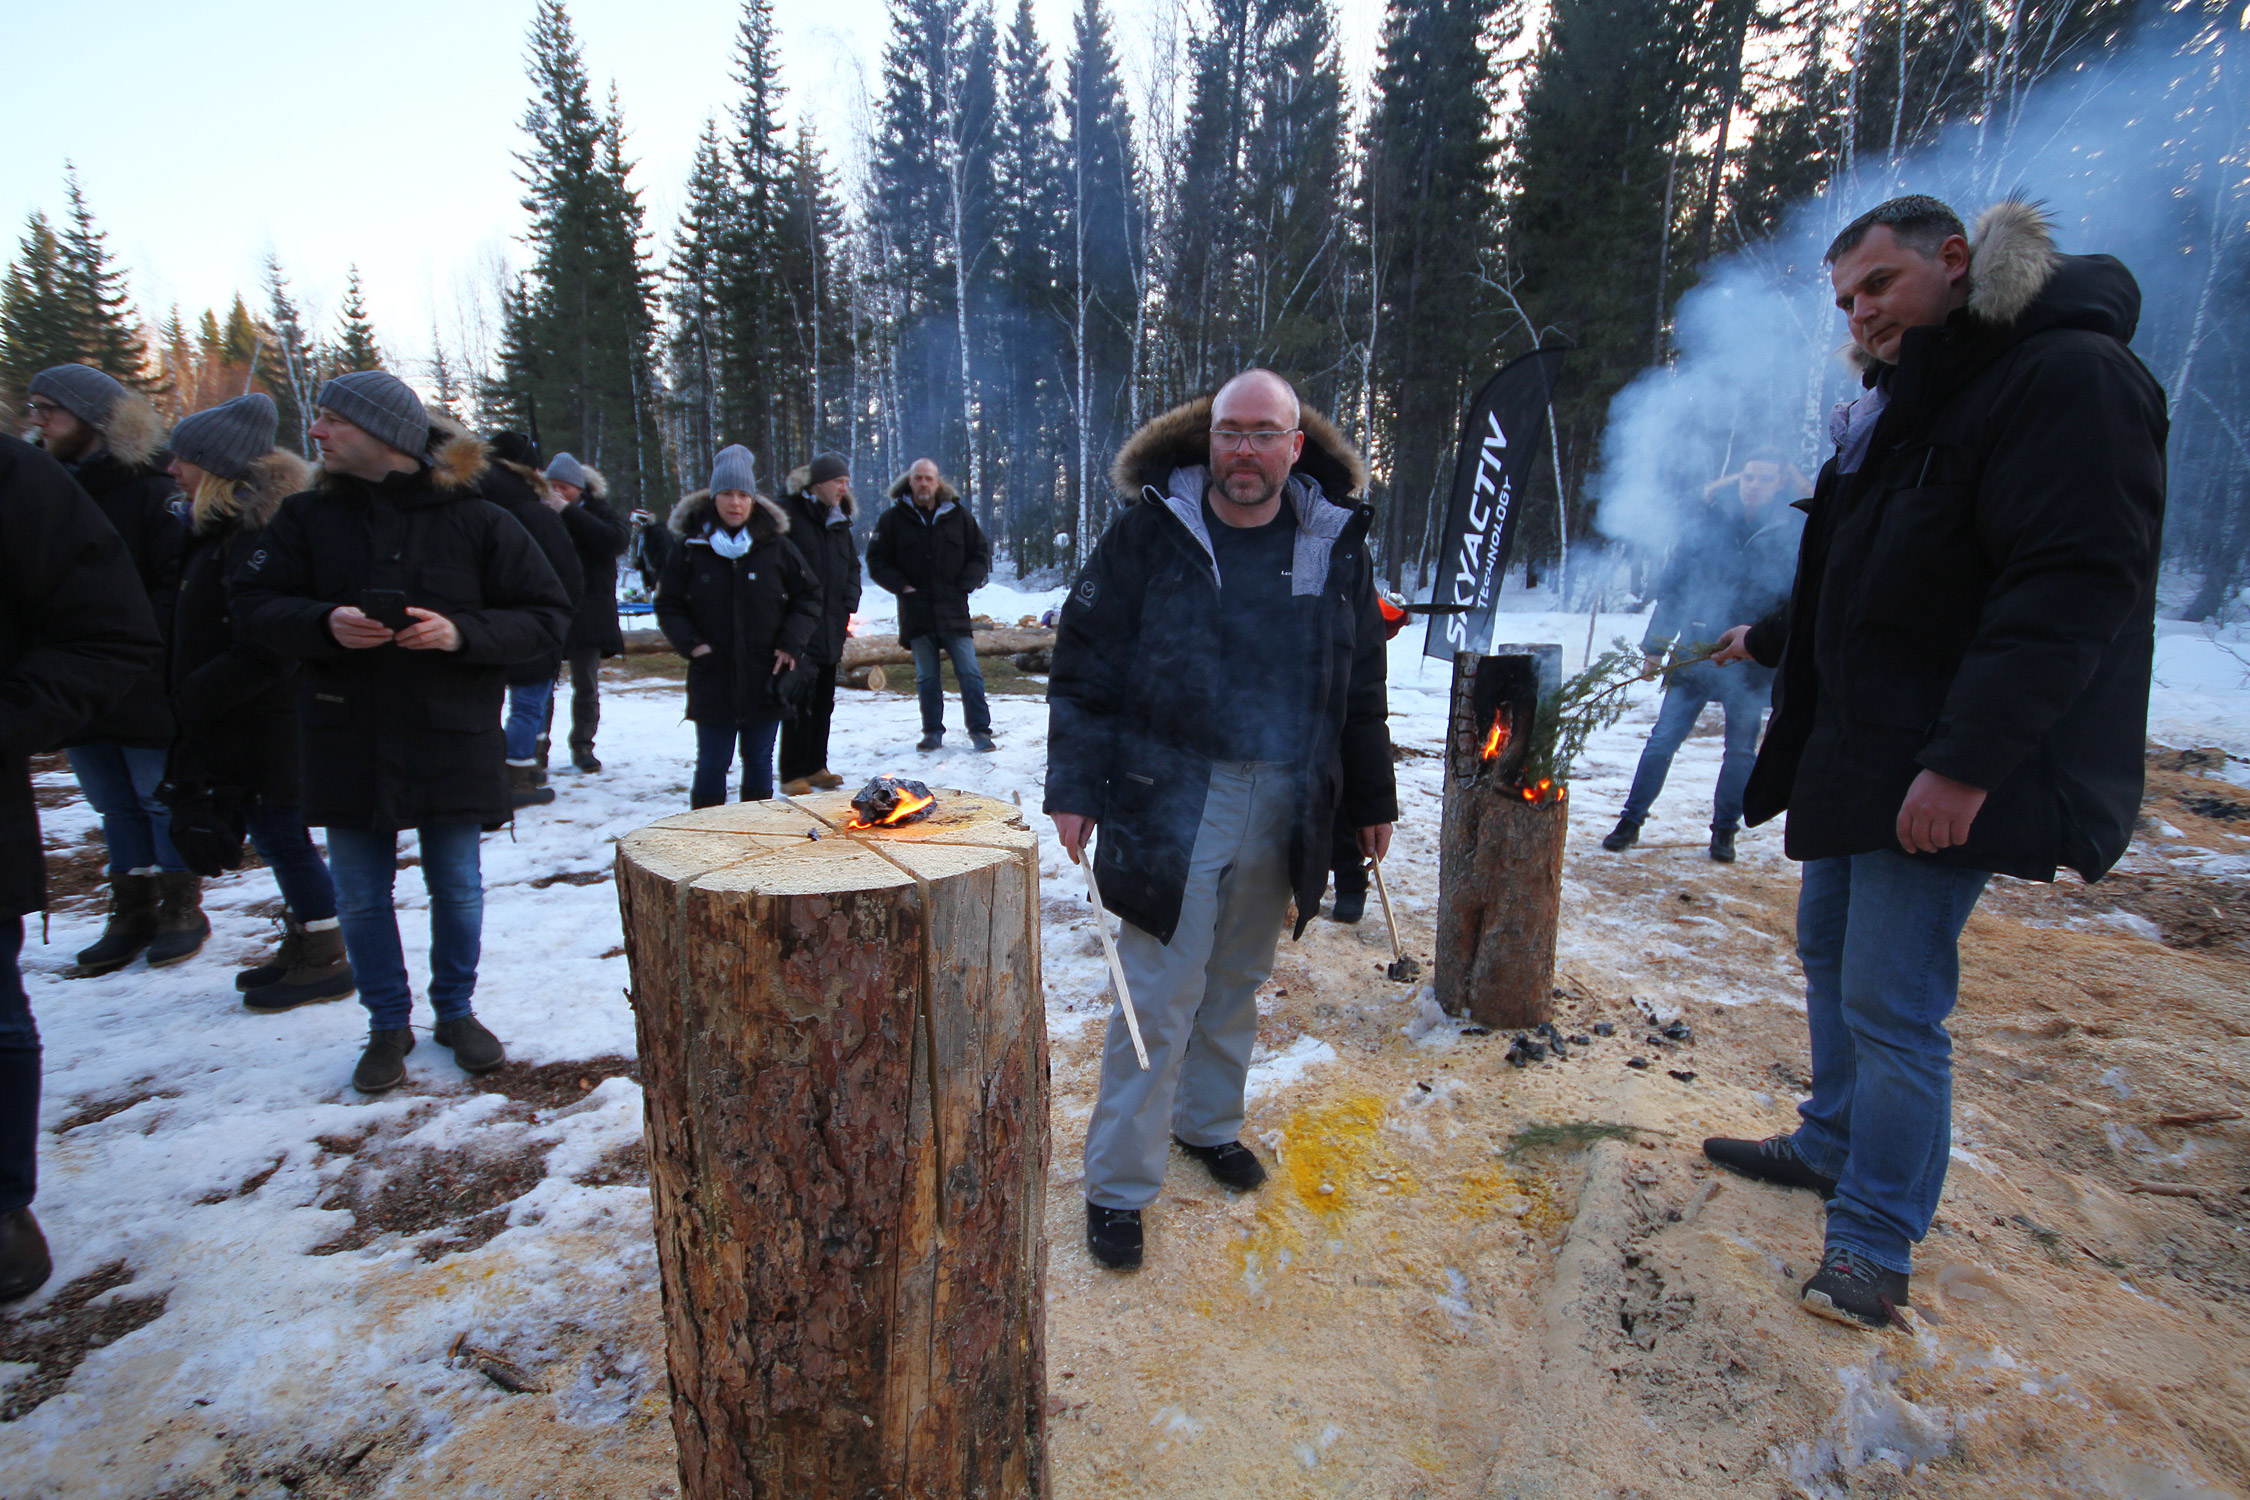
(76, 635)
(929, 550)
(739, 602)
(106, 436)
(236, 701)
(406, 598)
(1963, 678)
(1216, 705)
(513, 482)
(818, 498)
(582, 496)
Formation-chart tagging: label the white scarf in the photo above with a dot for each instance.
(729, 544)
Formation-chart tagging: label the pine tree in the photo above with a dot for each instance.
(1102, 264)
(37, 327)
(292, 366)
(108, 330)
(1025, 406)
(752, 300)
(355, 347)
(811, 227)
(697, 351)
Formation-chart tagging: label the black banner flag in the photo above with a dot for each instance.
(1501, 440)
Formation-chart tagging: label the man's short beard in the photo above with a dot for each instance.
(1265, 493)
(77, 446)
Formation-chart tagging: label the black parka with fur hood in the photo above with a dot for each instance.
(1141, 663)
(834, 559)
(522, 492)
(1978, 599)
(943, 557)
(395, 738)
(744, 608)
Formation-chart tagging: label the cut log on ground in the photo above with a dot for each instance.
(1500, 846)
(844, 1050)
(882, 650)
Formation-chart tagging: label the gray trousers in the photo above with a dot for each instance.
(1197, 996)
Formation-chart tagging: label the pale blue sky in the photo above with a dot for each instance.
(206, 131)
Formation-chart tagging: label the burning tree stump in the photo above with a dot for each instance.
(1500, 847)
(845, 1057)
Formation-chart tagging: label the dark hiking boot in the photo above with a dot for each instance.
(523, 790)
(1773, 1160)
(933, 739)
(474, 1048)
(1231, 1165)
(539, 761)
(131, 926)
(285, 958)
(1348, 907)
(382, 1066)
(25, 1264)
(984, 742)
(799, 787)
(1722, 845)
(825, 779)
(1624, 836)
(321, 972)
(1853, 1290)
(181, 927)
(584, 760)
(1113, 1237)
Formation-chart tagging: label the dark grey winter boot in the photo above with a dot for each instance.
(524, 789)
(321, 972)
(131, 925)
(181, 927)
(284, 958)
(383, 1065)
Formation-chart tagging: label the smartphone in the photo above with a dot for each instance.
(386, 606)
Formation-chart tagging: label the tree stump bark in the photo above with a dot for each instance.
(844, 1051)
(1500, 846)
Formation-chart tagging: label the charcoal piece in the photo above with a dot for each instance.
(1685, 1075)
(1476, 1031)
(1581, 1040)
(1603, 1028)
(879, 801)
(1636, 1062)
(1679, 1031)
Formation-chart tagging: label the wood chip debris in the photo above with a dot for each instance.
(2200, 1117)
(497, 1368)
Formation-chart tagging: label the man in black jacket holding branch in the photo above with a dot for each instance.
(1963, 684)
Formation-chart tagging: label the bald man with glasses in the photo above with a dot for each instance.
(1216, 710)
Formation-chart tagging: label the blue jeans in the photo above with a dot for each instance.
(714, 752)
(528, 706)
(366, 865)
(1744, 692)
(120, 781)
(931, 688)
(1879, 938)
(285, 844)
(19, 1078)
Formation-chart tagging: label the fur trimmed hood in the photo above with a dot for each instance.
(2012, 257)
(530, 476)
(800, 480)
(457, 457)
(1180, 439)
(133, 432)
(690, 516)
(273, 479)
(597, 483)
(901, 490)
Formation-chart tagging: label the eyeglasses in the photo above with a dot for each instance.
(1263, 442)
(41, 408)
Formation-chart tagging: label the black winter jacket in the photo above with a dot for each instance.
(236, 701)
(1140, 664)
(76, 634)
(1978, 599)
(600, 534)
(834, 558)
(137, 498)
(396, 738)
(522, 493)
(945, 558)
(744, 609)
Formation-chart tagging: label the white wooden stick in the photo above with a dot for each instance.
(1116, 965)
(1397, 952)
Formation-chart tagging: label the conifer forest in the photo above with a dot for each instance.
(1037, 242)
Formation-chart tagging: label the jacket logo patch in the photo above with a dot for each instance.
(257, 560)
(1089, 589)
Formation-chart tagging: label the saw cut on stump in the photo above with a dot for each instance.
(845, 1061)
(1500, 846)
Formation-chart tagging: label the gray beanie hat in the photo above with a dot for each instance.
(382, 406)
(736, 468)
(230, 437)
(563, 469)
(83, 391)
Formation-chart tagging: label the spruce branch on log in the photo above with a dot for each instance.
(1594, 699)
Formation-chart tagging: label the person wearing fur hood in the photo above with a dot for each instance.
(929, 550)
(818, 498)
(1216, 707)
(738, 600)
(1963, 678)
(236, 701)
(406, 598)
(580, 495)
(107, 435)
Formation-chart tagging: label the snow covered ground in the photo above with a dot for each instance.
(218, 1156)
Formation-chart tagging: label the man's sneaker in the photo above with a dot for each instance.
(1113, 1237)
(1853, 1290)
(1348, 907)
(1722, 845)
(474, 1048)
(1231, 1164)
(825, 779)
(984, 742)
(1624, 836)
(1773, 1159)
(932, 740)
(382, 1066)
(25, 1264)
